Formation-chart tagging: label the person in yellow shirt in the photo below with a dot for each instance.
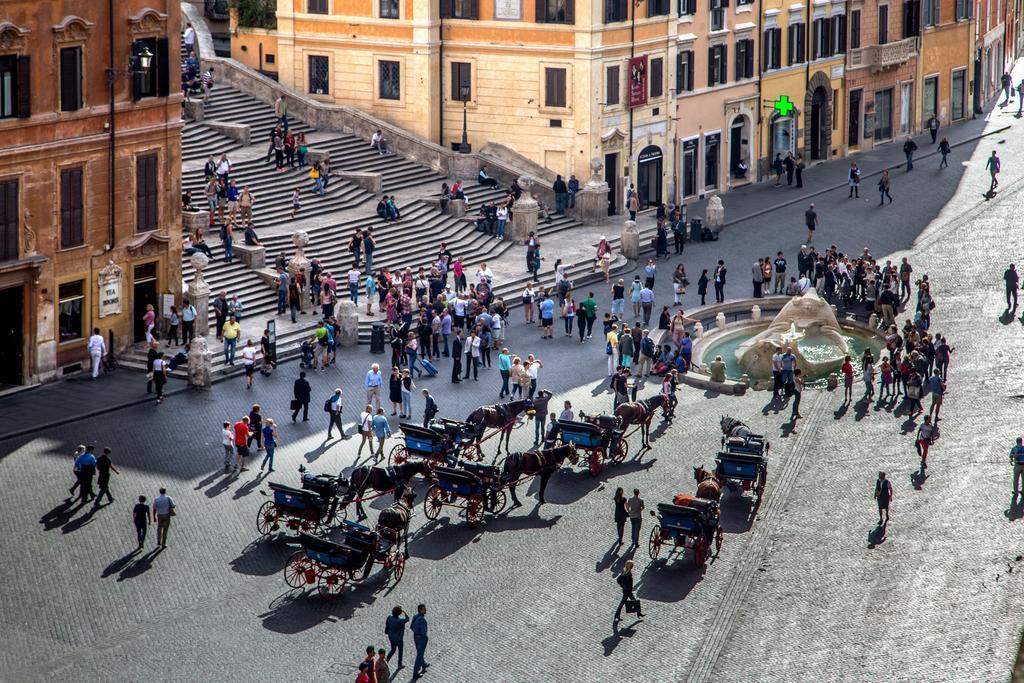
(613, 349)
(230, 332)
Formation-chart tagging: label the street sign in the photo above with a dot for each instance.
(783, 105)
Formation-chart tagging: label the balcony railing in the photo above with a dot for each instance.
(880, 57)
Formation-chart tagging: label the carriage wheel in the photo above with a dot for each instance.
(310, 522)
(433, 503)
(397, 566)
(472, 451)
(266, 518)
(595, 461)
(397, 456)
(654, 546)
(620, 451)
(718, 540)
(475, 510)
(500, 501)
(332, 582)
(299, 570)
(700, 552)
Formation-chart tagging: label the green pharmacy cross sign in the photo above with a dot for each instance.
(784, 106)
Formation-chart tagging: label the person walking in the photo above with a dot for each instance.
(249, 362)
(937, 388)
(372, 383)
(629, 601)
(163, 510)
(909, 147)
(635, 508)
(811, 221)
(853, 180)
(381, 670)
(800, 165)
(944, 150)
(1011, 280)
(103, 469)
(505, 370)
(429, 408)
(926, 435)
(621, 514)
(883, 188)
(230, 332)
(394, 629)
(301, 393)
(97, 349)
(365, 430)
(85, 470)
(883, 496)
(847, 370)
(381, 431)
(140, 518)
(269, 443)
(333, 408)
(1017, 458)
(933, 126)
(457, 356)
(720, 271)
(227, 442)
(418, 626)
(798, 390)
(241, 442)
(993, 166)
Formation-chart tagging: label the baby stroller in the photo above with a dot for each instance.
(308, 360)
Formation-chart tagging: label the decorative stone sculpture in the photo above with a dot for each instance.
(524, 212)
(873, 321)
(720, 321)
(755, 313)
(348, 324)
(199, 262)
(199, 362)
(629, 239)
(29, 239)
(596, 166)
(199, 294)
(714, 214)
(832, 381)
(698, 330)
(592, 199)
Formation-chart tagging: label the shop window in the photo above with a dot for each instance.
(70, 305)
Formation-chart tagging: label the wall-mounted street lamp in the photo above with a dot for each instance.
(137, 64)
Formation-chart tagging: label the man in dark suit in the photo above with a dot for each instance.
(457, 356)
(301, 391)
(430, 409)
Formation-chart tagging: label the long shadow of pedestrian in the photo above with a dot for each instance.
(210, 478)
(222, 485)
(876, 536)
(140, 566)
(1007, 317)
(860, 409)
(313, 455)
(788, 428)
(611, 558)
(909, 425)
(1016, 509)
(60, 515)
(840, 412)
(250, 486)
(612, 641)
(917, 479)
(78, 522)
(120, 563)
(775, 405)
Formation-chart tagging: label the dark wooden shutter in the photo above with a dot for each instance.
(447, 8)
(766, 56)
(146, 208)
(724, 74)
(461, 75)
(749, 72)
(72, 232)
(541, 10)
(163, 68)
(712, 74)
(9, 220)
(24, 87)
(657, 78)
(740, 58)
(70, 79)
(570, 11)
(474, 9)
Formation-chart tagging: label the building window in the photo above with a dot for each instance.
(389, 9)
(319, 76)
(821, 43)
(797, 49)
(317, 6)
(70, 78)
(744, 59)
(156, 81)
(837, 43)
(616, 10)
(718, 14)
(711, 144)
(656, 77)
(883, 114)
(554, 87)
(772, 48)
(718, 65)
(462, 81)
(146, 194)
(855, 29)
(611, 85)
(72, 233)
(15, 96)
(963, 9)
(390, 80)
(657, 8)
(956, 95)
(70, 302)
(930, 98)
(687, 7)
(460, 9)
(556, 12)
(911, 18)
(883, 24)
(931, 12)
(9, 220)
(684, 71)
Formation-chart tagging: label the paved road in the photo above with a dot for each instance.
(797, 593)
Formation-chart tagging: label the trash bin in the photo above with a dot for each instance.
(696, 228)
(377, 338)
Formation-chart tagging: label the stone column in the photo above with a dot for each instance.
(524, 213)
(714, 214)
(299, 263)
(457, 208)
(191, 220)
(348, 324)
(199, 294)
(592, 199)
(200, 364)
(630, 240)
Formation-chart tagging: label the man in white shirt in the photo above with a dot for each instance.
(777, 387)
(163, 508)
(227, 441)
(97, 347)
(365, 430)
(484, 274)
(190, 38)
(497, 328)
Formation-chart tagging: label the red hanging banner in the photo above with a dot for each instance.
(638, 81)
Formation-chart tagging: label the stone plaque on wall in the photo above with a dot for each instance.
(511, 10)
(110, 280)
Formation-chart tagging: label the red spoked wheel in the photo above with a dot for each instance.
(700, 552)
(433, 503)
(762, 479)
(397, 456)
(475, 510)
(332, 582)
(594, 462)
(620, 450)
(266, 518)
(719, 536)
(654, 545)
(500, 501)
(397, 566)
(472, 451)
(310, 522)
(299, 570)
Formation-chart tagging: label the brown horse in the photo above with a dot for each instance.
(532, 463)
(708, 486)
(504, 417)
(640, 413)
(380, 479)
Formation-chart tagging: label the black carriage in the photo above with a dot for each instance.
(443, 441)
(694, 524)
(330, 565)
(600, 438)
(748, 471)
(475, 488)
(299, 510)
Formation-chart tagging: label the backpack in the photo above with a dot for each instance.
(327, 406)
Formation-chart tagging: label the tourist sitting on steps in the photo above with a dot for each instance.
(484, 179)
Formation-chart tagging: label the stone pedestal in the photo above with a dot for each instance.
(298, 262)
(253, 257)
(698, 330)
(348, 324)
(524, 213)
(193, 220)
(592, 204)
(195, 110)
(714, 214)
(457, 207)
(315, 154)
(755, 313)
(199, 294)
(630, 240)
(200, 363)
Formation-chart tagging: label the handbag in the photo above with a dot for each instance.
(632, 606)
(296, 404)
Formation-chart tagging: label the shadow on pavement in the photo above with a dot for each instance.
(1016, 509)
(611, 642)
(301, 609)
(439, 538)
(565, 491)
(140, 566)
(738, 512)
(669, 579)
(876, 536)
(263, 557)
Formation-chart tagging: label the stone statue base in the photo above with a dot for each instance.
(524, 221)
(592, 204)
(348, 324)
(200, 363)
(630, 240)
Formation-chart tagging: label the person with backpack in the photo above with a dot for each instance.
(648, 350)
(332, 406)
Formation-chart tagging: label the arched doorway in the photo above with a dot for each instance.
(818, 117)
(819, 103)
(648, 176)
(739, 139)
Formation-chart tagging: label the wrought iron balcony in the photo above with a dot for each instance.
(881, 57)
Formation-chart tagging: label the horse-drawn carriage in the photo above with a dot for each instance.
(600, 437)
(742, 470)
(743, 464)
(332, 564)
(475, 488)
(687, 523)
(303, 510)
(443, 441)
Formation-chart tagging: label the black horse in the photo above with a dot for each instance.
(380, 479)
(533, 463)
(640, 413)
(503, 416)
(393, 521)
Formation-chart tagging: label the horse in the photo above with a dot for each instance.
(732, 426)
(640, 413)
(503, 416)
(708, 486)
(393, 521)
(381, 480)
(538, 462)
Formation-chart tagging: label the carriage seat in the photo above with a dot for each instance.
(708, 508)
(604, 421)
(323, 484)
(574, 426)
(457, 476)
(751, 458)
(288, 494)
(322, 545)
(481, 470)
